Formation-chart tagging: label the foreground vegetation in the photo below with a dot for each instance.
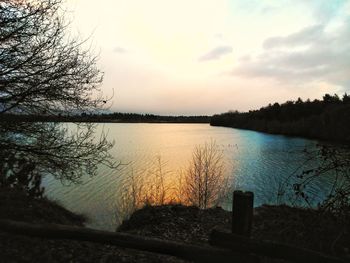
(327, 119)
(203, 183)
(305, 228)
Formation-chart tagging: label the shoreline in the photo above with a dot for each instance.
(311, 138)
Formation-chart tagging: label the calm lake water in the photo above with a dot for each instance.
(254, 161)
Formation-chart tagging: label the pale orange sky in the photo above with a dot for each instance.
(205, 57)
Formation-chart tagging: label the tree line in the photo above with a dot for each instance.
(326, 119)
(105, 117)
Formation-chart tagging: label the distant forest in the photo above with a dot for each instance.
(327, 119)
(106, 117)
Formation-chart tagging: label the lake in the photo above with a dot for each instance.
(254, 161)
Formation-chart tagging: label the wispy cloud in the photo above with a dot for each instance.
(119, 50)
(216, 53)
(306, 36)
(312, 54)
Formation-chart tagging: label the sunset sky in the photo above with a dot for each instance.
(205, 57)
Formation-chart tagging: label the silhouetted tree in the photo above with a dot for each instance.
(331, 99)
(333, 163)
(346, 99)
(43, 71)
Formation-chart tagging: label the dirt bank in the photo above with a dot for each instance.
(15, 248)
(302, 227)
(305, 228)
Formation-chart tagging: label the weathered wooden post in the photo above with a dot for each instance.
(242, 213)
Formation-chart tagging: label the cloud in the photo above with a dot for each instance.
(304, 37)
(314, 54)
(119, 50)
(216, 53)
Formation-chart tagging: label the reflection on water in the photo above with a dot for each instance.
(255, 161)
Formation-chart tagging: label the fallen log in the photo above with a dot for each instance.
(269, 249)
(185, 251)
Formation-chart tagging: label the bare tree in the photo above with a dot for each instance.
(204, 182)
(44, 71)
(332, 162)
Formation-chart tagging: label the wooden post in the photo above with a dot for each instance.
(242, 213)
